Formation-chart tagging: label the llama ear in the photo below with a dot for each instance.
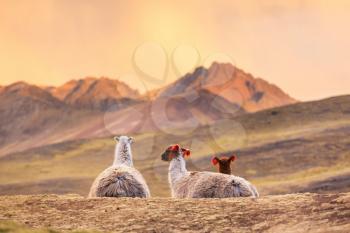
(215, 160)
(232, 158)
(131, 140)
(116, 138)
(186, 152)
(176, 147)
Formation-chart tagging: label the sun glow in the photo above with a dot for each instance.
(49, 42)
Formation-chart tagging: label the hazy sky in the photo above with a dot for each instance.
(302, 46)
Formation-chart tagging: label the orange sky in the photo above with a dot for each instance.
(302, 46)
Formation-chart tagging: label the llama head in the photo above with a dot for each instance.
(224, 163)
(175, 151)
(124, 139)
(122, 153)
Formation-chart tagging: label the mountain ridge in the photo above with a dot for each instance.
(96, 93)
(98, 107)
(231, 83)
(222, 79)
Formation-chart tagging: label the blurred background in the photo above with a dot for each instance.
(267, 81)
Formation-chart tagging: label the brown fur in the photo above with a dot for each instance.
(224, 164)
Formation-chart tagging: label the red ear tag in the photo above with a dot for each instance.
(214, 161)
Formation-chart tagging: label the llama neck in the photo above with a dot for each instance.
(122, 155)
(177, 169)
(225, 170)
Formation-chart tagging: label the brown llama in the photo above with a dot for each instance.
(224, 163)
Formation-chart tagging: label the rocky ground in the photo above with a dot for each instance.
(284, 213)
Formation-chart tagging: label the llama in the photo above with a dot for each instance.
(121, 179)
(225, 166)
(224, 163)
(185, 184)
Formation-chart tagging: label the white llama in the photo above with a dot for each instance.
(185, 184)
(121, 179)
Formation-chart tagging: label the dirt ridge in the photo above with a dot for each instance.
(281, 213)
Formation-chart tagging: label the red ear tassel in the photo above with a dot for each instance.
(233, 158)
(186, 152)
(214, 161)
(174, 147)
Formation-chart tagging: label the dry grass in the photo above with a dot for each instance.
(12, 227)
(284, 213)
(294, 145)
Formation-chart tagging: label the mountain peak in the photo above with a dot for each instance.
(232, 84)
(19, 85)
(91, 92)
(24, 89)
(26, 98)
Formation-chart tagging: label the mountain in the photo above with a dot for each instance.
(303, 147)
(200, 98)
(174, 113)
(21, 109)
(30, 117)
(96, 93)
(20, 100)
(98, 107)
(24, 93)
(233, 84)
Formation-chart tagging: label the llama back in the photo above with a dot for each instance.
(240, 187)
(119, 181)
(181, 189)
(212, 185)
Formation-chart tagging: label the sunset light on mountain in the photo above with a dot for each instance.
(49, 42)
(174, 116)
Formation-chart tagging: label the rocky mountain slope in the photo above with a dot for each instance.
(303, 147)
(288, 213)
(88, 108)
(231, 83)
(33, 116)
(21, 111)
(96, 93)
